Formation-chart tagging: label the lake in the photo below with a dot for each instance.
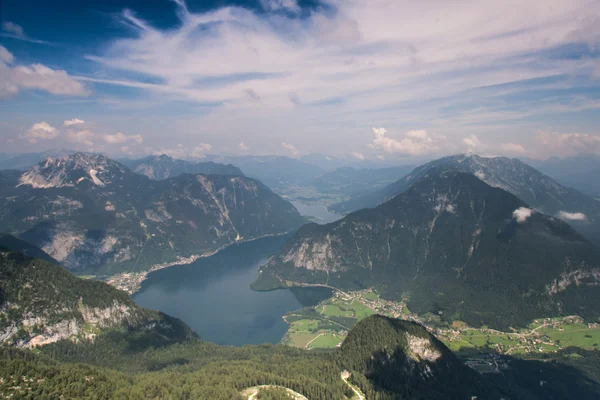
(319, 211)
(212, 295)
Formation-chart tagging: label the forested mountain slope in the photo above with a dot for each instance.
(9, 242)
(42, 303)
(453, 245)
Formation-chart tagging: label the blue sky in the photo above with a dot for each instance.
(378, 80)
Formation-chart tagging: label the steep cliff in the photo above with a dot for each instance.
(42, 303)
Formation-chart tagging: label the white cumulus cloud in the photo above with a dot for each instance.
(201, 150)
(243, 147)
(35, 76)
(181, 151)
(474, 144)
(291, 148)
(119, 138)
(358, 155)
(74, 121)
(414, 143)
(84, 137)
(522, 213)
(577, 216)
(567, 144)
(39, 131)
(513, 148)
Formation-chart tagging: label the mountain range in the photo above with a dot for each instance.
(452, 245)
(163, 167)
(534, 188)
(93, 214)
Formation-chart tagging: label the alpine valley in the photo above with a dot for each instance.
(92, 341)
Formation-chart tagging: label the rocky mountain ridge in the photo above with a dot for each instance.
(510, 174)
(90, 212)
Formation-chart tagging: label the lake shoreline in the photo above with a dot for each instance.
(213, 296)
(131, 282)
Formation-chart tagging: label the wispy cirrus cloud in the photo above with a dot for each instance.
(361, 46)
(372, 59)
(321, 76)
(12, 28)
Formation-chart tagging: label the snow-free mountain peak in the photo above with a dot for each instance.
(71, 170)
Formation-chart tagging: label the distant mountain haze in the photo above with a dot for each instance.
(348, 180)
(27, 160)
(581, 173)
(163, 167)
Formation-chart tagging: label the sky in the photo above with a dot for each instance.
(365, 79)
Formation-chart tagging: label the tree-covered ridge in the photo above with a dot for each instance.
(380, 355)
(398, 359)
(41, 303)
(15, 244)
(455, 246)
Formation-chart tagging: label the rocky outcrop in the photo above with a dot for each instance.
(421, 348)
(49, 326)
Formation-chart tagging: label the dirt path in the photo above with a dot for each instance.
(359, 395)
(313, 339)
(252, 392)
